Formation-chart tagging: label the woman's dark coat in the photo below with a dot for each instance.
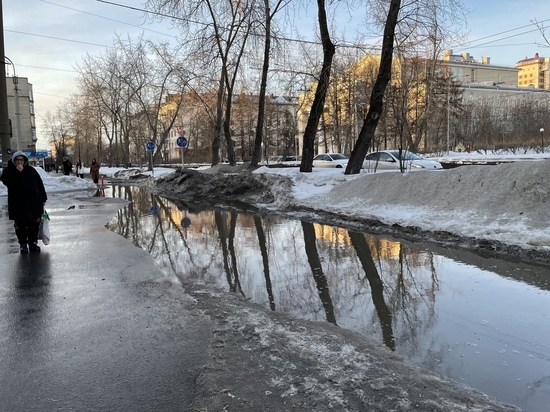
(26, 192)
(94, 171)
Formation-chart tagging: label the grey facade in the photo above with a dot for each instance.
(21, 114)
(466, 69)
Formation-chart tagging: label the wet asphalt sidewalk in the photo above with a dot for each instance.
(90, 324)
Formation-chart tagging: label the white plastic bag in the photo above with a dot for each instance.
(44, 231)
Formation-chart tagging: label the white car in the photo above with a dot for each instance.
(389, 160)
(338, 160)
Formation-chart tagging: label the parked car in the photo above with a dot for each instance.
(389, 159)
(291, 160)
(330, 160)
(272, 160)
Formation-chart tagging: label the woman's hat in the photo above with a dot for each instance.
(17, 154)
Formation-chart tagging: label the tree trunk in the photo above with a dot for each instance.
(318, 104)
(257, 154)
(218, 126)
(366, 135)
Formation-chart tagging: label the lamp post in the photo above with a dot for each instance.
(542, 139)
(4, 116)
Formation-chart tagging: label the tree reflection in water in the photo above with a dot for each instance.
(377, 287)
(317, 270)
(410, 297)
(272, 260)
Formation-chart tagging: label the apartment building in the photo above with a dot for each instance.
(466, 69)
(21, 114)
(534, 72)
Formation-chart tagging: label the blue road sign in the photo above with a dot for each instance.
(151, 146)
(181, 141)
(185, 222)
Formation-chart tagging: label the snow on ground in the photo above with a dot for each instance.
(59, 183)
(509, 202)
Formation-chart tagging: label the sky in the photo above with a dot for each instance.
(47, 39)
(507, 202)
(505, 31)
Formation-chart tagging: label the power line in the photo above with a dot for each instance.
(107, 18)
(473, 46)
(56, 38)
(511, 30)
(316, 43)
(46, 68)
(51, 95)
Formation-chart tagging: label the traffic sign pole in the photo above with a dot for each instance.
(150, 146)
(182, 143)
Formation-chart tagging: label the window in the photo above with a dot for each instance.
(385, 157)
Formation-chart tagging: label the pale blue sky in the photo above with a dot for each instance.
(504, 30)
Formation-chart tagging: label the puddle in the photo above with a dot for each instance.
(482, 322)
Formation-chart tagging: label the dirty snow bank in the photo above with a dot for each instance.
(504, 204)
(502, 209)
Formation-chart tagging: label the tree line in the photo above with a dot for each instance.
(232, 58)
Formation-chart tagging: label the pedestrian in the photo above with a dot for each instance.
(94, 171)
(67, 166)
(79, 171)
(26, 199)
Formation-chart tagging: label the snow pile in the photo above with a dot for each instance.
(508, 203)
(59, 183)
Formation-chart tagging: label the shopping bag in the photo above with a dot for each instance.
(44, 230)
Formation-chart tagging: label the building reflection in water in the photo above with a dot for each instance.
(418, 300)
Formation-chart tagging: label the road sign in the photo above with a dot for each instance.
(185, 222)
(181, 141)
(151, 146)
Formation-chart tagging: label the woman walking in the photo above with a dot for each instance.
(26, 200)
(94, 171)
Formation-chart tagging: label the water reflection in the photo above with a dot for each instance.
(479, 321)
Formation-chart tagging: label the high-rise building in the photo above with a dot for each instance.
(21, 114)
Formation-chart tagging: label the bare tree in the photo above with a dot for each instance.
(366, 135)
(134, 83)
(269, 14)
(318, 104)
(85, 127)
(59, 131)
(421, 22)
(221, 31)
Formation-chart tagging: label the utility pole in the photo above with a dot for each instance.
(17, 113)
(4, 116)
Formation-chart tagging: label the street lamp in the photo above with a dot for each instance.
(542, 139)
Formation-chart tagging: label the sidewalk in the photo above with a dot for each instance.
(85, 325)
